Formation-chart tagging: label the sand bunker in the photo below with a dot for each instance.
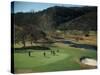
(89, 61)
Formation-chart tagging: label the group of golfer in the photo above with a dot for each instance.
(52, 52)
(44, 53)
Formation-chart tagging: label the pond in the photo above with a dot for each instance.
(85, 46)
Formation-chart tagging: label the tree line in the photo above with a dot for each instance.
(33, 26)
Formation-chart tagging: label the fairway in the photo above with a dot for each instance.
(66, 59)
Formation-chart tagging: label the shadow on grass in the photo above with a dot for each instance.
(33, 48)
(31, 56)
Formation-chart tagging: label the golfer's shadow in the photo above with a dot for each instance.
(31, 56)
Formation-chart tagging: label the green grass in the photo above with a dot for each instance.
(66, 59)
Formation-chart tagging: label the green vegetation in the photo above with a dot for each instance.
(66, 59)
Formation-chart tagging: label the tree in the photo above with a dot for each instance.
(20, 35)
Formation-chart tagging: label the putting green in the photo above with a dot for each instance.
(65, 59)
(37, 59)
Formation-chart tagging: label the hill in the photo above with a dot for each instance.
(84, 22)
(52, 17)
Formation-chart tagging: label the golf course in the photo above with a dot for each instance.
(68, 58)
(53, 37)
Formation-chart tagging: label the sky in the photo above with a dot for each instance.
(31, 6)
